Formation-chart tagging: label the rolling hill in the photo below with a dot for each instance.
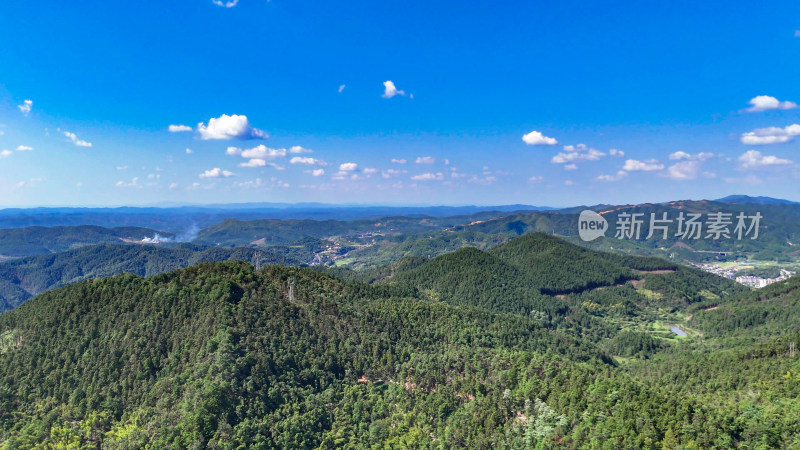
(23, 278)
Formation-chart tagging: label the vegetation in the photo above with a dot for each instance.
(531, 343)
(21, 279)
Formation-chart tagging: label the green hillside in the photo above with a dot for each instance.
(220, 355)
(18, 242)
(21, 279)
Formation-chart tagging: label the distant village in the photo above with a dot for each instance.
(730, 272)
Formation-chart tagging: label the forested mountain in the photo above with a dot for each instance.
(232, 232)
(29, 241)
(221, 355)
(21, 279)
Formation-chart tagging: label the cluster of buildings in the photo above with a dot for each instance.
(758, 282)
(747, 280)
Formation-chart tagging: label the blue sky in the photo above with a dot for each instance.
(633, 102)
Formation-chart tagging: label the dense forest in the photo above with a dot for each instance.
(21, 279)
(508, 348)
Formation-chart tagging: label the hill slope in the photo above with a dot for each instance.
(21, 279)
(17, 242)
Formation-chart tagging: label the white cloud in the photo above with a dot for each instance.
(369, 170)
(537, 138)
(389, 173)
(771, 135)
(24, 148)
(25, 107)
(679, 155)
(684, 170)
(649, 165)
(134, 183)
(398, 161)
(227, 4)
(348, 167)
(341, 88)
(173, 186)
(255, 162)
(577, 153)
(754, 159)
(318, 172)
(620, 175)
(617, 153)
(229, 127)
(307, 161)
(428, 177)
(216, 173)
(766, 102)
(6, 153)
(122, 167)
(688, 165)
(299, 149)
(571, 167)
(425, 160)
(74, 139)
(260, 151)
(390, 90)
(179, 128)
(536, 179)
(189, 151)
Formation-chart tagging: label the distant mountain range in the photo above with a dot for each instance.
(755, 200)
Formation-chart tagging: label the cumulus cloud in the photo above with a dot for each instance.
(389, 173)
(6, 153)
(74, 139)
(684, 170)
(425, 160)
(398, 161)
(576, 153)
(390, 90)
(617, 153)
(428, 176)
(226, 4)
(771, 135)
(679, 155)
(133, 183)
(298, 149)
(536, 179)
(348, 167)
(216, 173)
(255, 162)
(179, 128)
(189, 151)
(25, 107)
(766, 103)
(753, 159)
(619, 175)
(318, 172)
(229, 127)
(307, 161)
(24, 148)
(370, 170)
(688, 165)
(537, 138)
(649, 165)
